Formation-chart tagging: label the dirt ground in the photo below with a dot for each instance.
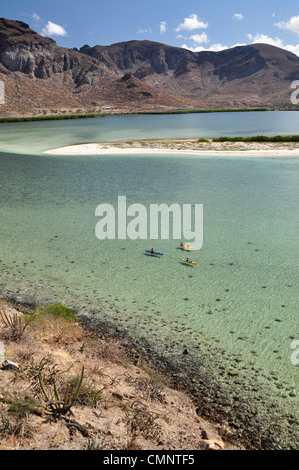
(120, 403)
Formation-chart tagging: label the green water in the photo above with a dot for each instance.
(235, 311)
(34, 137)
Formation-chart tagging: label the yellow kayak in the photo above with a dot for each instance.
(189, 262)
(186, 247)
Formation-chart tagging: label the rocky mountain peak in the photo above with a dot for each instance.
(16, 34)
(141, 73)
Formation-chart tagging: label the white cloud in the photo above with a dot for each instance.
(291, 25)
(254, 39)
(52, 29)
(277, 42)
(199, 38)
(36, 17)
(264, 39)
(293, 49)
(238, 16)
(213, 48)
(162, 27)
(192, 23)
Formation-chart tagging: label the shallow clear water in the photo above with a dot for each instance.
(35, 137)
(236, 310)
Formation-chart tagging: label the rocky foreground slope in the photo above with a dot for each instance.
(41, 77)
(120, 403)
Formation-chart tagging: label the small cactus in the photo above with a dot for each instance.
(14, 323)
(57, 405)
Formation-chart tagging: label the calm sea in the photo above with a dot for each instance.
(236, 311)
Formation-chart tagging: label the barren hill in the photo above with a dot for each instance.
(258, 74)
(41, 77)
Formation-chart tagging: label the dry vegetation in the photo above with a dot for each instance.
(215, 145)
(76, 389)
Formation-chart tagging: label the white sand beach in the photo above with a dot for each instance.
(181, 147)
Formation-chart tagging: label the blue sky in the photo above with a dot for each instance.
(194, 24)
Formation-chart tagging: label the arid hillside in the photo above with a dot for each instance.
(41, 77)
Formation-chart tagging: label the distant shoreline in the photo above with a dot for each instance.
(57, 117)
(191, 147)
(105, 113)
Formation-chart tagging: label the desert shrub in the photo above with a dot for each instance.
(56, 310)
(141, 421)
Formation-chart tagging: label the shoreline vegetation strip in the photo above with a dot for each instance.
(257, 138)
(47, 118)
(104, 114)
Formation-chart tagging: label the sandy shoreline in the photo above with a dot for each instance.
(190, 147)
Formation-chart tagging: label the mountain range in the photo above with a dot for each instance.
(41, 77)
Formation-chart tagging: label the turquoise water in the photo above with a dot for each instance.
(34, 137)
(236, 311)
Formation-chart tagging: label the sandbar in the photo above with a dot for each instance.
(181, 147)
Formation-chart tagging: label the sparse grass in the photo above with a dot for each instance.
(25, 350)
(110, 350)
(95, 443)
(147, 388)
(56, 330)
(88, 394)
(21, 404)
(155, 377)
(12, 426)
(31, 372)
